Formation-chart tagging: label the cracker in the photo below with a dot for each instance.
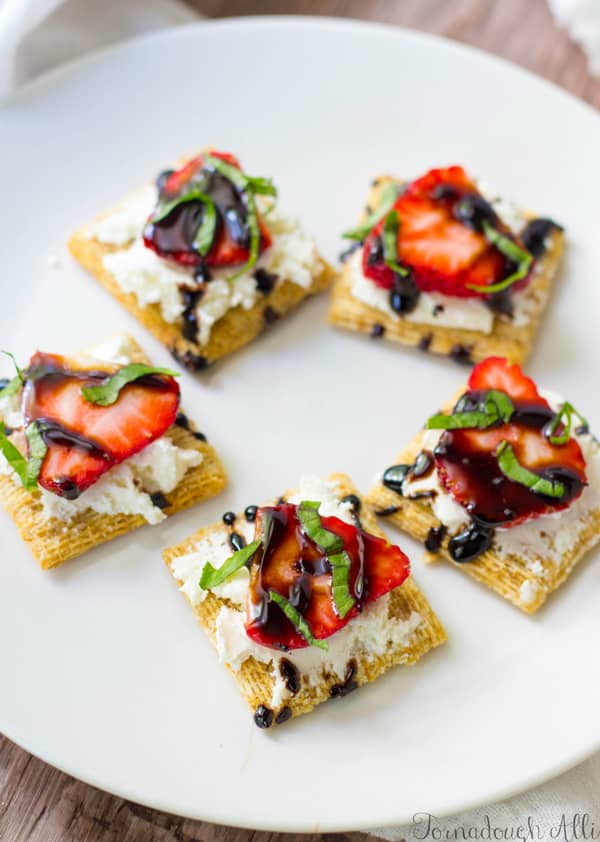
(254, 677)
(236, 328)
(505, 340)
(505, 573)
(53, 541)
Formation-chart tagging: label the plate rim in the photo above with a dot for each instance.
(53, 78)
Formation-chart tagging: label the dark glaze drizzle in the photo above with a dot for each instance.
(190, 298)
(377, 331)
(338, 691)
(237, 541)
(184, 422)
(229, 518)
(270, 315)
(159, 500)
(193, 362)
(283, 715)
(290, 675)
(535, 234)
(434, 538)
(265, 281)
(250, 513)
(461, 354)
(263, 716)
(389, 510)
(404, 296)
(174, 235)
(425, 342)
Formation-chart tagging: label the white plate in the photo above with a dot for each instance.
(105, 672)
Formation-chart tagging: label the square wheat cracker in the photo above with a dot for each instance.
(236, 328)
(53, 542)
(525, 582)
(505, 339)
(255, 679)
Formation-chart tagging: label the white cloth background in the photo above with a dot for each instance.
(36, 35)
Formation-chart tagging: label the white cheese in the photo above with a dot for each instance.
(126, 222)
(528, 592)
(126, 488)
(462, 313)
(138, 270)
(432, 308)
(539, 542)
(366, 636)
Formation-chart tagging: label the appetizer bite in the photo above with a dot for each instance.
(504, 483)
(95, 445)
(304, 599)
(203, 258)
(437, 265)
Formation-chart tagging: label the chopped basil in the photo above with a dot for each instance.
(251, 186)
(332, 545)
(37, 451)
(254, 229)
(389, 239)
(512, 468)
(494, 407)
(15, 384)
(297, 620)
(387, 198)
(206, 230)
(340, 581)
(213, 576)
(513, 252)
(108, 392)
(308, 515)
(27, 470)
(12, 387)
(563, 417)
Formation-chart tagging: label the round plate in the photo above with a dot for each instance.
(105, 672)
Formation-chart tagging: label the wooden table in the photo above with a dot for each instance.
(40, 804)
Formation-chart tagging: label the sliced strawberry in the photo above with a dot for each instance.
(498, 373)
(84, 439)
(444, 254)
(467, 461)
(293, 566)
(173, 236)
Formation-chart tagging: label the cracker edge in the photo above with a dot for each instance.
(254, 678)
(507, 340)
(232, 331)
(53, 541)
(504, 574)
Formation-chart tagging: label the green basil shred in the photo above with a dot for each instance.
(496, 407)
(389, 238)
(27, 470)
(213, 576)
(387, 199)
(512, 468)
(513, 252)
(564, 417)
(108, 392)
(332, 545)
(297, 620)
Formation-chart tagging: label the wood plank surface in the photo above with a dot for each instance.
(39, 803)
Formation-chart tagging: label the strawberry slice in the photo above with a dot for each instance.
(498, 373)
(292, 565)
(84, 439)
(173, 236)
(467, 463)
(446, 255)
